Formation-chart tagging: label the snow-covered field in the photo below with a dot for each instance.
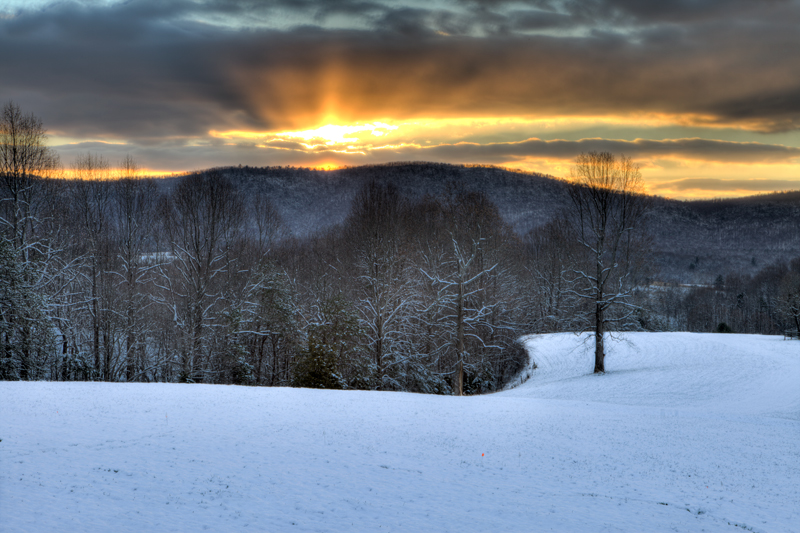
(685, 432)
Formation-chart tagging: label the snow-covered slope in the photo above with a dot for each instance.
(684, 432)
(753, 374)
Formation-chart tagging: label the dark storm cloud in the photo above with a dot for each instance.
(635, 11)
(681, 10)
(147, 69)
(540, 20)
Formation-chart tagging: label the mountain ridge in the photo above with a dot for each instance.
(694, 241)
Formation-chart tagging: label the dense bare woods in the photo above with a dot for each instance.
(121, 278)
(128, 281)
(200, 284)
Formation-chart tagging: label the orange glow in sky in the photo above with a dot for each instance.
(111, 173)
(703, 95)
(690, 167)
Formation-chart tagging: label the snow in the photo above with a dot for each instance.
(685, 432)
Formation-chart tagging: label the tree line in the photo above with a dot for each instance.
(106, 276)
(198, 285)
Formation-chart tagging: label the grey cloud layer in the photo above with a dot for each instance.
(180, 156)
(697, 149)
(146, 70)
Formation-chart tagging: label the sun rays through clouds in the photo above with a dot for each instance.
(693, 91)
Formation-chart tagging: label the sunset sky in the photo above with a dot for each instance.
(704, 94)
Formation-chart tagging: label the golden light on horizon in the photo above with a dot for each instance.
(113, 173)
(688, 179)
(329, 135)
(327, 166)
(422, 133)
(680, 168)
(441, 129)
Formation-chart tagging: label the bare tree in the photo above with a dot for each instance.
(455, 292)
(608, 208)
(26, 336)
(549, 251)
(92, 202)
(468, 285)
(272, 321)
(202, 219)
(376, 235)
(133, 209)
(24, 159)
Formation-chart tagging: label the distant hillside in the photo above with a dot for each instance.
(699, 240)
(694, 241)
(310, 200)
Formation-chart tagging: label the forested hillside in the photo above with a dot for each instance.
(693, 241)
(309, 200)
(391, 277)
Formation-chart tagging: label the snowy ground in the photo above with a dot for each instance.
(685, 432)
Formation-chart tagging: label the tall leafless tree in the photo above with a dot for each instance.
(376, 234)
(133, 209)
(469, 283)
(202, 219)
(24, 159)
(608, 210)
(92, 203)
(551, 305)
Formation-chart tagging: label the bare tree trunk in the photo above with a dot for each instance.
(460, 334)
(259, 368)
(460, 376)
(379, 347)
(27, 370)
(599, 347)
(599, 318)
(130, 342)
(95, 322)
(130, 316)
(108, 348)
(276, 369)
